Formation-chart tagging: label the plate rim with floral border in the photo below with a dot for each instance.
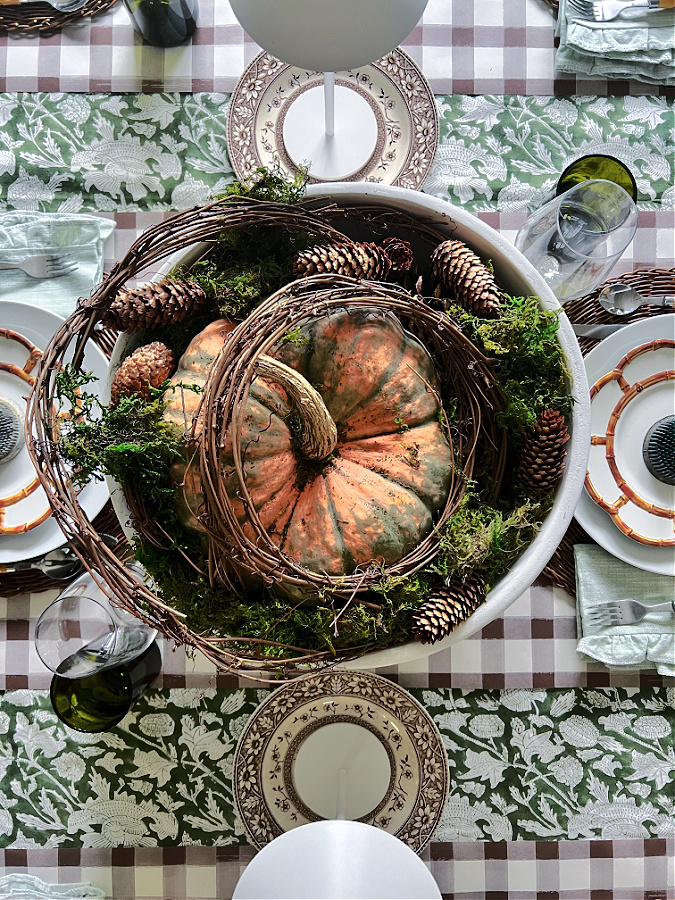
(393, 86)
(263, 792)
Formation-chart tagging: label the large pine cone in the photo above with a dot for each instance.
(146, 368)
(153, 305)
(459, 269)
(446, 607)
(354, 260)
(543, 457)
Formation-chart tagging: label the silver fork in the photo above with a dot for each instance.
(624, 612)
(43, 265)
(604, 10)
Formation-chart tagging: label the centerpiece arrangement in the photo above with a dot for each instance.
(333, 427)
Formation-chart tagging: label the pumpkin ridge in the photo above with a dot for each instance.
(388, 449)
(309, 500)
(348, 561)
(364, 399)
(404, 532)
(393, 481)
(387, 477)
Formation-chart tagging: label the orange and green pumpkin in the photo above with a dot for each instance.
(376, 494)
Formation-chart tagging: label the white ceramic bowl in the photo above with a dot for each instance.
(520, 279)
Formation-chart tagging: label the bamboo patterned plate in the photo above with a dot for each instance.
(27, 528)
(395, 89)
(633, 378)
(289, 757)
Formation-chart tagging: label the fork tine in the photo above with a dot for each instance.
(60, 259)
(61, 264)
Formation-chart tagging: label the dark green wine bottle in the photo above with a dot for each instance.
(163, 23)
(100, 701)
(598, 166)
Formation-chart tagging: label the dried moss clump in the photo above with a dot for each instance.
(528, 359)
(480, 537)
(131, 442)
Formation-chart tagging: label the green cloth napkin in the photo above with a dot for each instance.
(646, 644)
(25, 233)
(638, 44)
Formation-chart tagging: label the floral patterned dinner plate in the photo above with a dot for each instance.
(267, 787)
(395, 89)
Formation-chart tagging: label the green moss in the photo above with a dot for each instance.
(529, 362)
(251, 263)
(271, 184)
(130, 442)
(262, 614)
(479, 537)
(295, 336)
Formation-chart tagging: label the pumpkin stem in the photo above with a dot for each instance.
(318, 435)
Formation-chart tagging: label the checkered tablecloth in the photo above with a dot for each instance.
(486, 47)
(483, 47)
(531, 647)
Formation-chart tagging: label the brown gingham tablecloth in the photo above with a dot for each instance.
(486, 47)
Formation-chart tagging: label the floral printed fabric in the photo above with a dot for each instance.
(112, 152)
(558, 764)
(137, 152)
(507, 153)
(523, 764)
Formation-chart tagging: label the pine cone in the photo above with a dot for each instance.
(460, 270)
(543, 457)
(354, 260)
(154, 304)
(399, 252)
(147, 367)
(446, 607)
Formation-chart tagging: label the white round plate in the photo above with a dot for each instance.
(38, 326)
(267, 788)
(394, 88)
(658, 401)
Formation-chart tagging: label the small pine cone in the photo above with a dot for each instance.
(543, 457)
(153, 305)
(446, 607)
(146, 368)
(399, 252)
(354, 260)
(460, 270)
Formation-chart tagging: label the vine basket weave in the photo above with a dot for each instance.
(43, 19)
(223, 405)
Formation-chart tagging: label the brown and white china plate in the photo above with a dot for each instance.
(395, 89)
(277, 784)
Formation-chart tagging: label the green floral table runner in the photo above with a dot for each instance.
(137, 152)
(562, 764)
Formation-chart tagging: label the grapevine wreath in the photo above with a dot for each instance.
(326, 445)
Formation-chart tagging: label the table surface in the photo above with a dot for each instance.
(491, 47)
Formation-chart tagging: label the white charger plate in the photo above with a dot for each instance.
(652, 405)
(38, 326)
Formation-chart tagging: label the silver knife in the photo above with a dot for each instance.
(597, 332)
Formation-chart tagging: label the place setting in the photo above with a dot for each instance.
(337, 498)
(65, 255)
(624, 615)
